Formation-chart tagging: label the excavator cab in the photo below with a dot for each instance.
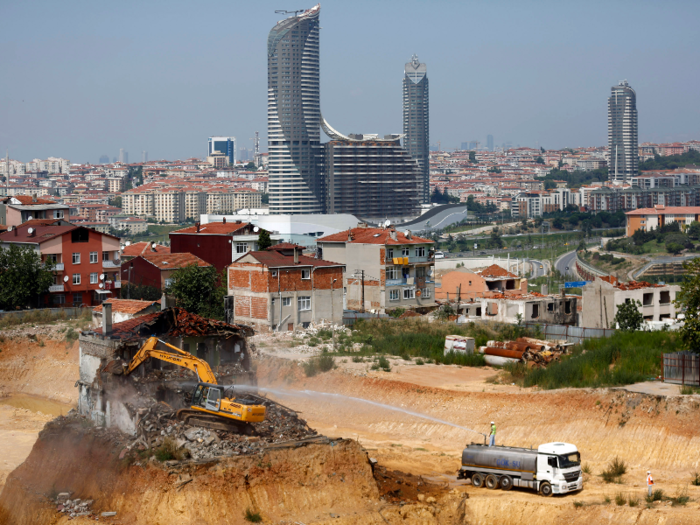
(208, 396)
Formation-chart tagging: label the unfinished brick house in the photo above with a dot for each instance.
(466, 285)
(386, 268)
(280, 289)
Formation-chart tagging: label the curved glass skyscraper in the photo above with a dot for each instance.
(416, 121)
(623, 141)
(294, 115)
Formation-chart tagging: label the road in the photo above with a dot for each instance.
(566, 264)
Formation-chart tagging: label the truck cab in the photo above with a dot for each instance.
(560, 465)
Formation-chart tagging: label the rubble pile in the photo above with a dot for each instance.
(534, 352)
(73, 507)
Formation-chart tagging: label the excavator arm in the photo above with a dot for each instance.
(182, 358)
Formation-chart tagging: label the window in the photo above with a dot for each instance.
(80, 235)
(426, 293)
(77, 299)
(105, 256)
(304, 303)
(168, 282)
(420, 251)
(58, 299)
(93, 257)
(648, 299)
(392, 272)
(76, 278)
(76, 258)
(241, 247)
(286, 301)
(93, 278)
(420, 272)
(306, 274)
(409, 293)
(390, 253)
(393, 295)
(274, 273)
(406, 251)
(58, 214)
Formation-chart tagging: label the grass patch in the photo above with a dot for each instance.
(606, 500)
(252, 516)
(695, 480)
(382, 363)
(358, 359)
(316, 365)
(657, 495)
(633, 501)
(614, 471)
(169, 450)
(71, 335)
(419, 361)
(579, 504)
(586, 468)
(689, 390)
(680, 500)
(634, 357)
(620, 499)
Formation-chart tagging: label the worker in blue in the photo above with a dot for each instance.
(492, 436)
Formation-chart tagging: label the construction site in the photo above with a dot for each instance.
(169, 418)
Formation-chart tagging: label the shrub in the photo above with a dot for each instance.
(579, 504)
(382, 363)
(657, 495)
(419, 361)
(606, 500)
(322, 363)
(681, 499)
(313, 341)
(358, 359)
(633, 501)
(620, 499)
(169, 450)
(695, 480)
(253, 517)
(615, 470)
(586, 468)
(325, 334)
(71, 335)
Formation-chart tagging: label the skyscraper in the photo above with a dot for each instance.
(416, 121)
(489, 142)
(225, 145)
(293, 115)
(623, 141)
(123, 156)
(144, 156)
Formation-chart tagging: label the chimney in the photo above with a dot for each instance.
(408, 234)
(163, 302)
(224, 220)
(296, 256)
(197, 225)
(349, 235)
(34, 197)
(15, 230)
(393, 236)
(106, 319)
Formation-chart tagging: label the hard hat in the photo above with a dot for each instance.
(648, 471)
(493, 423)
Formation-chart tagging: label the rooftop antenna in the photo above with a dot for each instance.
(7, 173)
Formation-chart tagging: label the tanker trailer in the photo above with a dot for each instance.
(554, 468)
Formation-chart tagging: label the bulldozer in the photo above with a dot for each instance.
(210, 406)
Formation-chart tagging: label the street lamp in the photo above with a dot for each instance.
(332, 318)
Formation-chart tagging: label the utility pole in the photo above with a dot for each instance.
(362, 276)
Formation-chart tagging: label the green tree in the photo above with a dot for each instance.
(539, 160)
(251, 166)
(199, 290)
(472, 156)
(116, 202)
(495, 241)
(266, 198)
(494, 169)
(693, 230)
(688, 301)
(628, 316)
(674, 248)
(549, 185)
(141, 292)
(541, 149)
(264, 240)
(23, 277)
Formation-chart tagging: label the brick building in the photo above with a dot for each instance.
(155, 270)
(464, 285)
(142, 248)
(22, 208)
(398, 267)
(279, 286)
(648, 219)
(218, 243)
(86, 262)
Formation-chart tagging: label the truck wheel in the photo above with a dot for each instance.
(477, 480)
(491, 482)
(545, 489)
(506, 483)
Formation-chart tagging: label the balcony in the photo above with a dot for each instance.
(111, 264)
(411, 259)
(56, 288)
(396, 282)
(58, 267)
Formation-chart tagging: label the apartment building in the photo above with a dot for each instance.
(648, 219)
(21, 208)
(133, 225)
(130, 251)
(385, 268)
(281, 289)
(156, 269)
(462, 285)
(604, 295)
(86, 262)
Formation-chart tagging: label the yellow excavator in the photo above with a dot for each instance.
(210, 407)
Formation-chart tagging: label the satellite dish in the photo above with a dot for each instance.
(387, 223)
(102, 285)
(127, 243)
(153, 245)
(65, 279)
(256, 229)
(30, 231)
(10, 228)
(102, 277)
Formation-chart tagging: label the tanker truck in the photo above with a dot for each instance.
(554, 468)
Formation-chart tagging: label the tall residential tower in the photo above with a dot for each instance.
(293, 115)
(623, 141)
(416, 121)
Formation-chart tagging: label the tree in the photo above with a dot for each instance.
(142, 292)
(674, 248)
(539, 160)
(688, 302)
(472, 156)
(116, 202)
(264, 240)
(693, 230)
(541, 149)
(266, 198)
(23, 277)
(199, 290)
(495, 241)
(628, 316)
(251, 166)
(582, 246)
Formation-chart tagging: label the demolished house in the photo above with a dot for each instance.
(513, 308)
(104, 352)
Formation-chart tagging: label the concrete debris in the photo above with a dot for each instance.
(536, 353)
(73, 507)
(108, 514)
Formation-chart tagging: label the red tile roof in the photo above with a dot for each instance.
(284, 246)
(28, 200)
(41, 233)
(141, 248)
(666, 210)
(373, 236)
(168, 261)
(215, 228)
(496, 271)
(126, 306)
(273, 259)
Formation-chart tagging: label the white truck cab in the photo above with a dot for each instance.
(560, 465)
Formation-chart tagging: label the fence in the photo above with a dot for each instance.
(349, 318)
(49, 313)
(682, 368)
(575, 334)
(588, 271)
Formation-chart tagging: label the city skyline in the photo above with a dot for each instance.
(495, 81)
(416, 120)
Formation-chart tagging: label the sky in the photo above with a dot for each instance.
(79, 79)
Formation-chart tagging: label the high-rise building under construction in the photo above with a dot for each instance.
(293, 115)
(416, 121)
(623, 140)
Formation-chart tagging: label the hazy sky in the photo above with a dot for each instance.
(79, 79)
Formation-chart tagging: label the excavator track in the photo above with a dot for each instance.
(202, 419)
